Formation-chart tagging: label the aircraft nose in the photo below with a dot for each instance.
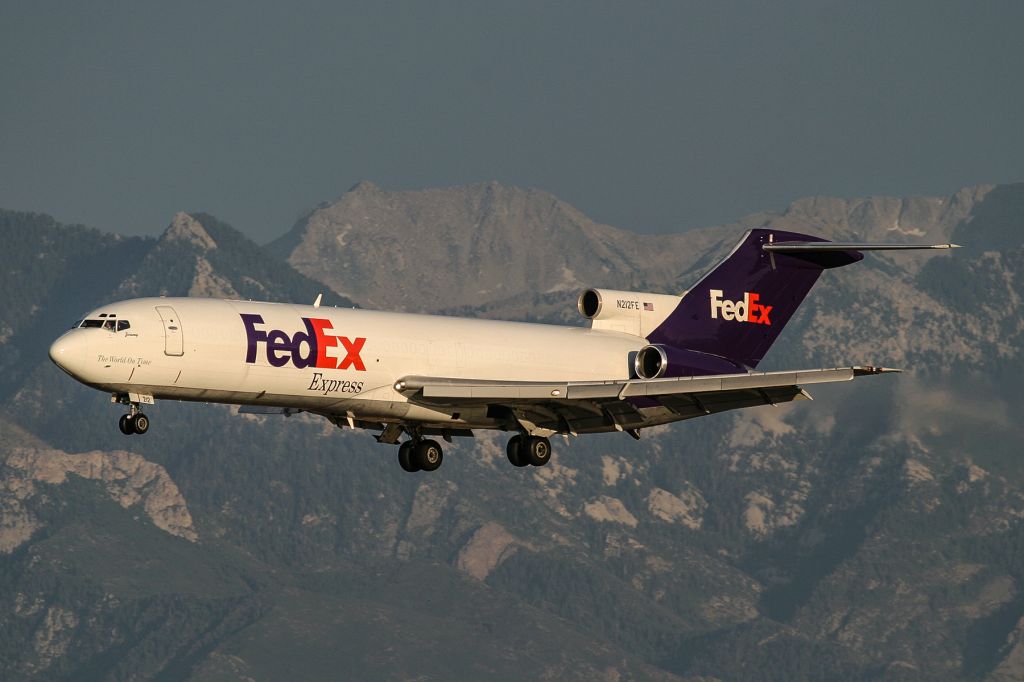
(67, 351)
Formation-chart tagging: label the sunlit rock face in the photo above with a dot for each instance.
(127, 478)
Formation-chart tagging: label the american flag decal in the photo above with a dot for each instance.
(649, 307)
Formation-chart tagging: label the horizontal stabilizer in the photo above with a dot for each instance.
(794, 247)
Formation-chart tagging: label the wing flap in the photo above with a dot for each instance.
(496, 391)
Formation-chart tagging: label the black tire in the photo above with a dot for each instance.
(514, 451)
(140, 424)
(405, 457)
(537, 450)
(125, 424)
(429, 455)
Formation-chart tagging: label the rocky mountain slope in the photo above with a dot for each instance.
(873, 534)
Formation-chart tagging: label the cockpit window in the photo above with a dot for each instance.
(77, 324)
(110, 324)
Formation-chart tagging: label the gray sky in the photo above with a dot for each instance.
(648, 116)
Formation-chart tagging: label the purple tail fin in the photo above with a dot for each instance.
(738, 309)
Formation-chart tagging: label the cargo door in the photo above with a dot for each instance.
(174, 343)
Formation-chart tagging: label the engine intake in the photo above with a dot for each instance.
(651, 362)
(590, 303)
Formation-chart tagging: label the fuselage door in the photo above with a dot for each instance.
(174, 343)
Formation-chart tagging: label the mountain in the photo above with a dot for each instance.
(873, 534)
(523, 254)
(473, 245)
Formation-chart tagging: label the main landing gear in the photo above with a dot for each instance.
(528, 450)
(134, 421)
(420, 455)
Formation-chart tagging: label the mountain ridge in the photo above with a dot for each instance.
(358, 243)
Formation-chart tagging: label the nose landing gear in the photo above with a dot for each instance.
(134, 421)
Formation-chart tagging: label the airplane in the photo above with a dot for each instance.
(646, 359)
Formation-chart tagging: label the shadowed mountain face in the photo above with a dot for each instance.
(874, 534)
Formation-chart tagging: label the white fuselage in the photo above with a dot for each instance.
(207, 350)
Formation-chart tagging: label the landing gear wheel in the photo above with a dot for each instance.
(125, 424)
(537, 451)
(514, 451)
(428, 455)
(406, 458)
(140, 423)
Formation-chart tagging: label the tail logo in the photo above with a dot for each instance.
(746, 310)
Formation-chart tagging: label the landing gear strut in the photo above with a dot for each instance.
(532, 450)
(420, 455)
(134, 421)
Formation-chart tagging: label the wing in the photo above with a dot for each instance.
(587, 406)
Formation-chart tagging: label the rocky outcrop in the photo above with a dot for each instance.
(686, 508)
(207, 283)
(609, 510)
(185, 228)
(127, 478)
(489, 545)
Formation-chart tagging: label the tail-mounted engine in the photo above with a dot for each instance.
(657, 361)
(631, 312)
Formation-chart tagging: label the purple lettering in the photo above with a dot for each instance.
(309, 338)
(252, 335)
(278, 342)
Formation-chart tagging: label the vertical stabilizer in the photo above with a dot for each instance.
(738, 309)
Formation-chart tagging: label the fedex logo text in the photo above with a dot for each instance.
(303, 349)
(747, 310)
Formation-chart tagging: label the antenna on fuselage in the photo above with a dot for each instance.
(319, 297)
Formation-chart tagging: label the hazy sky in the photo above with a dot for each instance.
(649, 116)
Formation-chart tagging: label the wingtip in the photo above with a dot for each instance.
(870, 369)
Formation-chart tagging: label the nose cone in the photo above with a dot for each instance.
(68, 352)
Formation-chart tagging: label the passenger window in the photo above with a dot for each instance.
(122, 325)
